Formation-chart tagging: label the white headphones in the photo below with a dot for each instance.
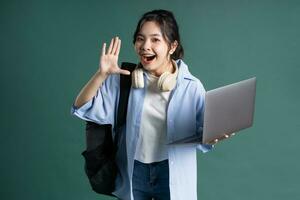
(166, 81)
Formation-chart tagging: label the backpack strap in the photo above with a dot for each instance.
(125, 85)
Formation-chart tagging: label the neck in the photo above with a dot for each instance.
(168, 67)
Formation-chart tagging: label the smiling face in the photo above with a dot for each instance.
(153, 50)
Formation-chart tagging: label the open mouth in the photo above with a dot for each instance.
(148, 58)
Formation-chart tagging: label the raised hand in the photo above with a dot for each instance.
(109, 59)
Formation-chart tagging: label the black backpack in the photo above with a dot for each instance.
(100, 166)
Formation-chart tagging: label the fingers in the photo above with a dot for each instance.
(213, 142)
(110, 46)
(103, 49)
(225, 136)
(125, 72)
(114, 47)
(118, 47)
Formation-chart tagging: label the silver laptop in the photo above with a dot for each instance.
(228, 109)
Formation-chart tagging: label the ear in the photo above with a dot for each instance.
(173, 47)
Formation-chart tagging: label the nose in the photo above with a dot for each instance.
(146, 45)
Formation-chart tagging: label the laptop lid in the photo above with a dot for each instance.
(228, 109)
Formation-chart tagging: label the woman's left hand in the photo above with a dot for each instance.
(225, 136)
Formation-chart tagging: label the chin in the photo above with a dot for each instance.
(144, 65)
(149, 67)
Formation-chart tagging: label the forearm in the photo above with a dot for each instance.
(90, 89)
(109, 65)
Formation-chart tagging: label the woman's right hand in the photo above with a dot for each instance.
(109, 59)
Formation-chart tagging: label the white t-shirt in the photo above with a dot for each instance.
(152, 143)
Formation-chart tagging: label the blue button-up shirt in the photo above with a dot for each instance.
(184, 118)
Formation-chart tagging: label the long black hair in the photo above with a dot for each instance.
(168, 26)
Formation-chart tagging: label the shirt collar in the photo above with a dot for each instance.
(184, 72)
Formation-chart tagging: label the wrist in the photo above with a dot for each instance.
(101, 74)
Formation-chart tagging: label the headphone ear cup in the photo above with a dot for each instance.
(138, 78)
(161, 83)
(166, 82)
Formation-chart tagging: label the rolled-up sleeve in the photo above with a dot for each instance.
(101, 108)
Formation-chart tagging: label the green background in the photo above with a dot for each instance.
(50, 49)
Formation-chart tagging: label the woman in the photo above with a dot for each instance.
(166, 103)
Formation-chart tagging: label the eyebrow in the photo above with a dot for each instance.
(152, 35)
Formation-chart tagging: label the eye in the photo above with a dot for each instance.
(155, 39)
(139, 39)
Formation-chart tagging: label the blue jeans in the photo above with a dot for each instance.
(151, 181)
